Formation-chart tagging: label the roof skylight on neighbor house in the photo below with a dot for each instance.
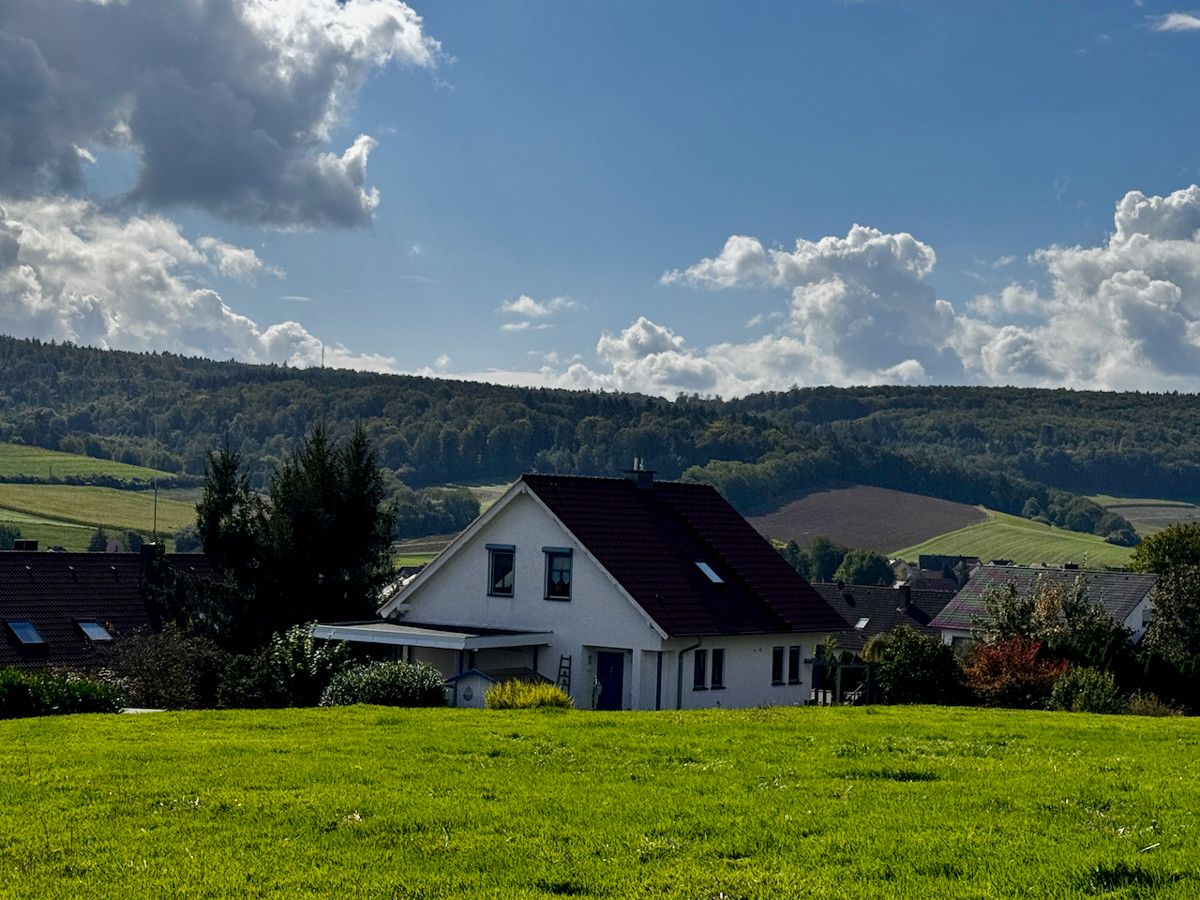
(708, 570)
(862, 623)
(26, 633)
(94, 631)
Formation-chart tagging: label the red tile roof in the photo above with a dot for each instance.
(650, 540)
(56, 591)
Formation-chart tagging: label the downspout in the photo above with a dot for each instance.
(679, 678)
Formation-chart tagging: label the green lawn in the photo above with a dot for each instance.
(1023, 541)
(36, 462)
(412, 559)
(370, 802)
(92, 506)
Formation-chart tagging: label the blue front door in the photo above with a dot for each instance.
(610, 670)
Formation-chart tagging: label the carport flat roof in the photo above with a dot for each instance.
(440, 637)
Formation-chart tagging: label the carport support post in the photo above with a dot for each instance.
(635, 679)
(462, 656)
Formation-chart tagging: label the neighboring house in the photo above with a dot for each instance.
(632, 593)
(63, 610)
(1124, 595)
(869, 611)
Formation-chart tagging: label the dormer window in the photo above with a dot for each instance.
(558, 573)
(708, 571)
(501, 569)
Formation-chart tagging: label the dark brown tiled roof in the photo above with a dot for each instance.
(880, 606)
(650, 539)
(56, 591)
(1118, 592)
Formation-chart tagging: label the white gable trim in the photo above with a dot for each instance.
(452, 548)
(478, 525)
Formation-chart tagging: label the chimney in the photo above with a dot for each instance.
(904, 600)
(642, 477)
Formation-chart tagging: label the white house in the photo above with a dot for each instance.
(632, 593)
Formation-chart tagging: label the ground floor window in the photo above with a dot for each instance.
(794, 664)
(717, 680)
(699, 671)
(776, 665)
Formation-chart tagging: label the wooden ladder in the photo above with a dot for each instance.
(564, 673)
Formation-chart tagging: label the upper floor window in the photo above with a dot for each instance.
(558, 573)
(501, 566)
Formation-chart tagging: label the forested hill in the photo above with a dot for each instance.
(999, 446)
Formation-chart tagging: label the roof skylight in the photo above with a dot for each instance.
(862, 623)
(94, 631)
(26, 633)
(708, 570)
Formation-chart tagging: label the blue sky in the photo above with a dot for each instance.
(575, 154)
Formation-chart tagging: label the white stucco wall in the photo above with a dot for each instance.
(1141, 616)
(747, 672)
(597, 615)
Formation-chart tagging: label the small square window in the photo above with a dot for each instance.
(501, 576)
(26, 633)
(699, 671)
(94, 631)
(558, 574)
(718, 670)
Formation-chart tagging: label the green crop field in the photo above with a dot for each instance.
(18, 460)
(92, 506)
(1147, 515)
(766, 803)
(1023, 541)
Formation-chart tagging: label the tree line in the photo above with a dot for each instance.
(1000, 446)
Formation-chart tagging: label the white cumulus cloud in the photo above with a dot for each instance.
(861, 309)
(227, 104)
(71, 272)
(1178, 21)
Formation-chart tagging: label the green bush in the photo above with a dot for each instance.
(387, 684)
(37, 694)
(1144, 703)
(302, 666)
(1081, 689)
(248, 682)
(168, 670)
(909, 667)
(518, 694)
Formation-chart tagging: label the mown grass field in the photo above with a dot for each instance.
(36, 462)
(766, 803)
(1023, 541)
(92, 506)
(1148, 516)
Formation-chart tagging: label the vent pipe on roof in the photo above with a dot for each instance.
(642, 477)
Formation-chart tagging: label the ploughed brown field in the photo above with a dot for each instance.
(858, 516)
